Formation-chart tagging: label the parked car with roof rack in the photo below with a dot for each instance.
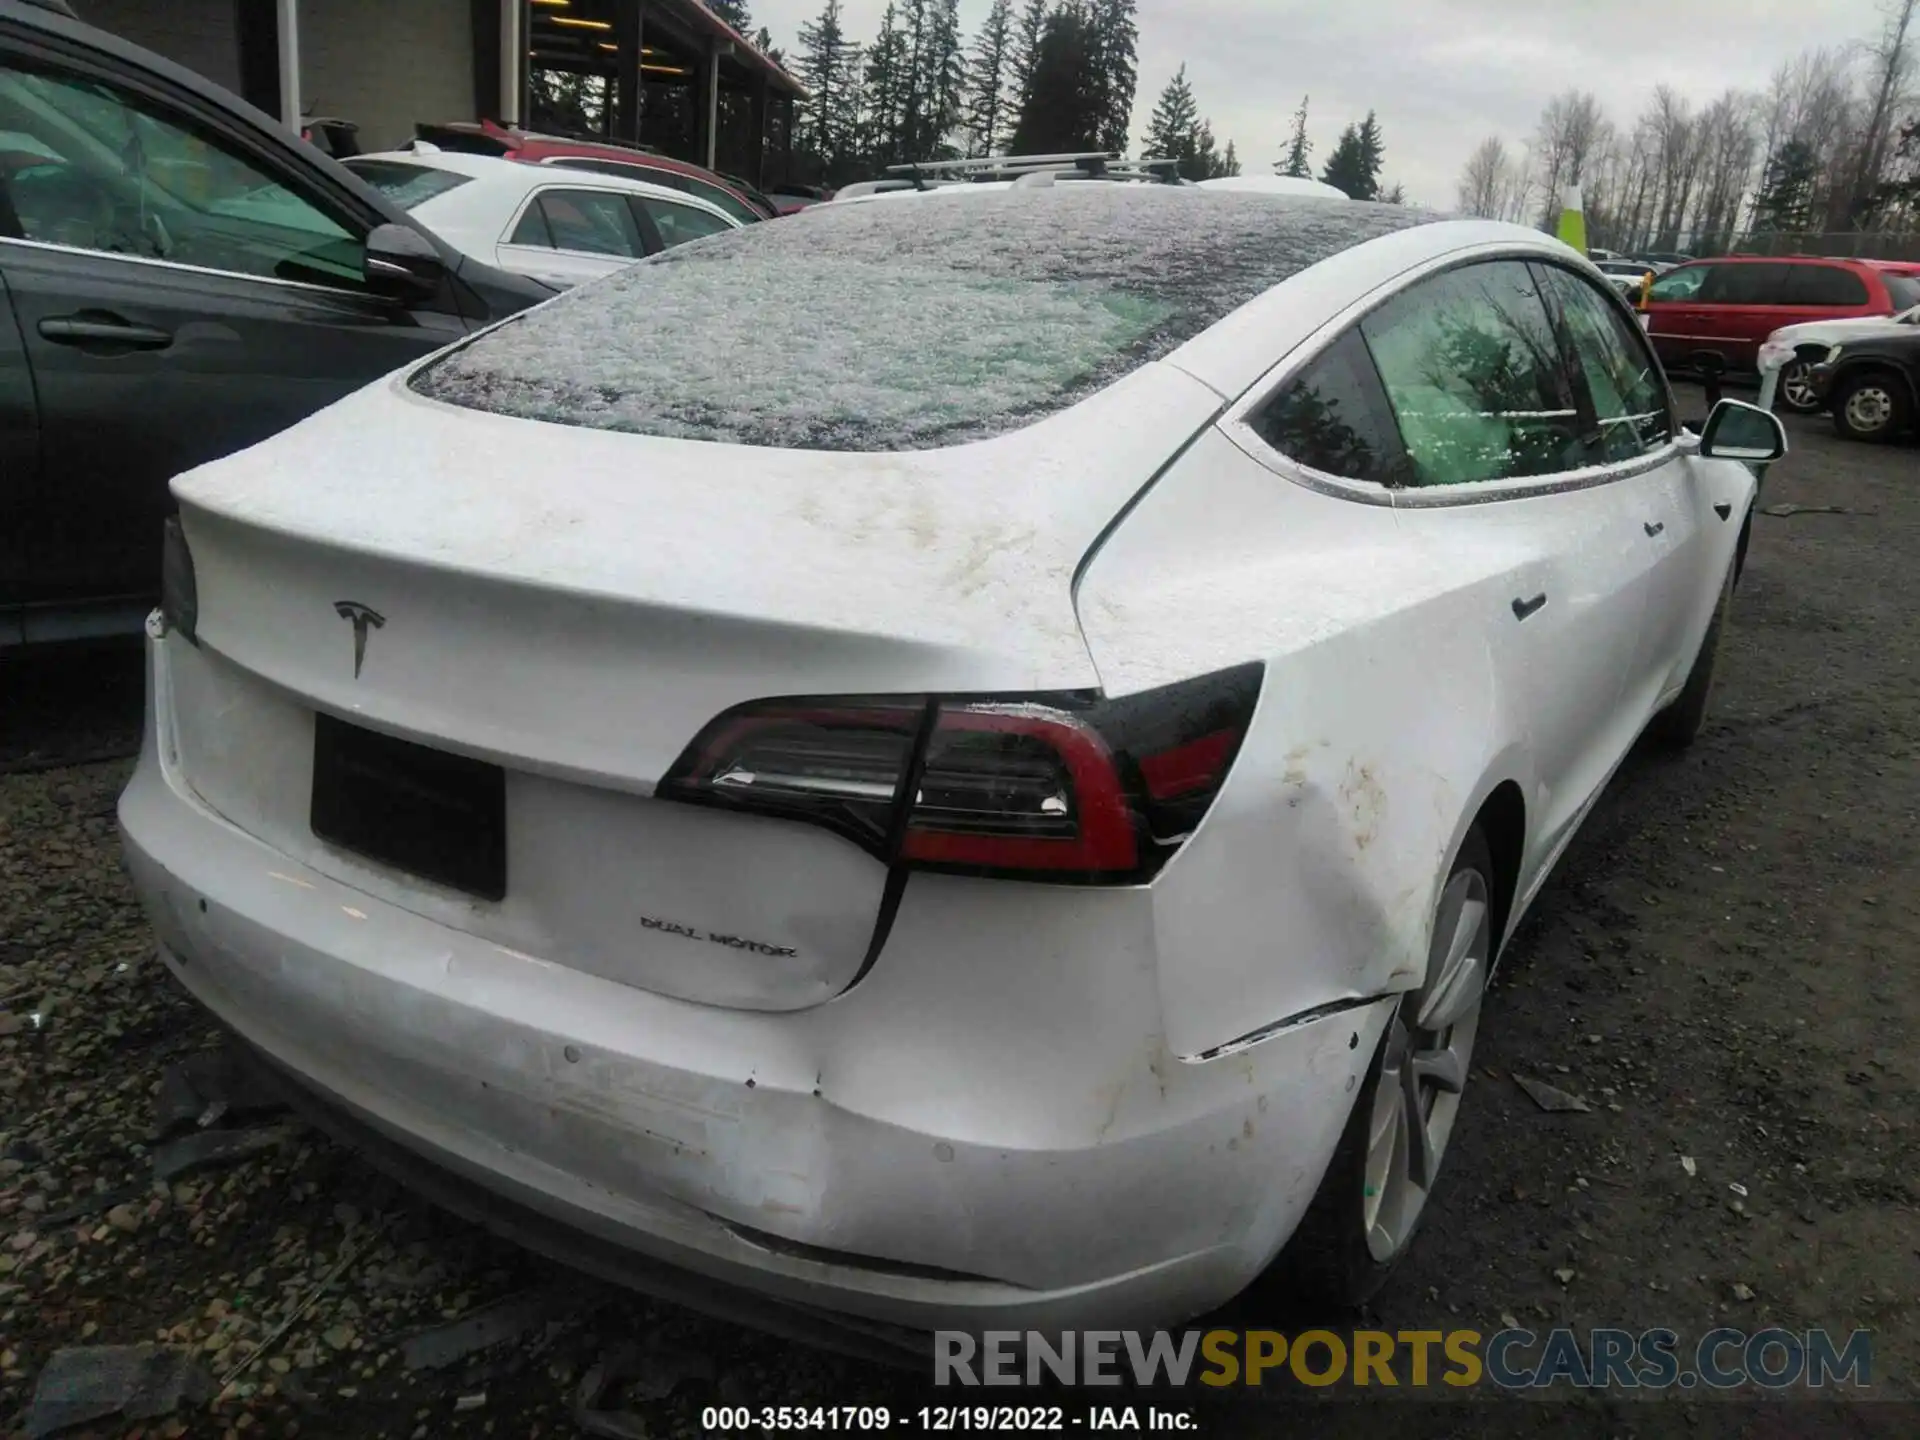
(560, 227)
(808, 760)
(1722, 310)
(607, 157)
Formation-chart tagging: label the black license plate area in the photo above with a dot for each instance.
(439, 816)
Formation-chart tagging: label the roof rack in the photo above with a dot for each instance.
(1088, 165)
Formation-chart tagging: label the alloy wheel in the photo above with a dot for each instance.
(1429, 1050)
(1796, 386)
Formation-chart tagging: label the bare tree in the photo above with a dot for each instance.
(1571, 129)
(1892, 57)
(1728, 147)
(1483, 180)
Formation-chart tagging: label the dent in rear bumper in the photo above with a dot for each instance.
(670, 1128)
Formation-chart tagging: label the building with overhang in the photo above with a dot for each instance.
(667, 74)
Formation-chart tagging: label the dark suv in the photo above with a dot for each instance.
(1872, 386)
(179, 278)
(1725, 308)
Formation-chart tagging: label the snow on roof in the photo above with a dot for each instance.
(898, 327)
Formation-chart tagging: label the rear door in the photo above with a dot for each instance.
(1744, 302)
(1829, 292)
(181, 293)
(565, 235)
(1477, 377)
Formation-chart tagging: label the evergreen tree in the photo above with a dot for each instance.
(763, 42)
(1173, 130)
(1027, 34)
(881, 87)
(1785, 202)
(943, 82)
(1114, 76)
(1298, 161)
(1204, 163)
(735, 13)
(912, 79)
(1058, 115)
(1372, 155)
(829, 64)
(988, 114)
(1347, 166)
(1395, 194)
(1230, 162)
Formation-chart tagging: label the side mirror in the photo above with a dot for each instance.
(402, 264)
(1739, 431)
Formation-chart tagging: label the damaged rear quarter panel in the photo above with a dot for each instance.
(1377, 738)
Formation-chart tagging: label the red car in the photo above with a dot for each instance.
(1726, 307)
(732, 195)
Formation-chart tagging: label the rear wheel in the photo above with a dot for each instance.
(1872, 406)
(1371, 1201)
(1794, 390)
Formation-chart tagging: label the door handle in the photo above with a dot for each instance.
(103, 330)
(1653, 527)
(1523, 608)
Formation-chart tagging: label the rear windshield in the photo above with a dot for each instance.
(899, 325)
(1905, 289)
(406, 185)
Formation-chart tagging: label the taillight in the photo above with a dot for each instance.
(1061, 787)
(179, 598)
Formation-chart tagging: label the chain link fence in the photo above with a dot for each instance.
(1854, 244)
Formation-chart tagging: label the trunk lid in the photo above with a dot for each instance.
(573, 606)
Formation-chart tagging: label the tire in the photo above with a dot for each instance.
(1363, 1218)
(1873, 406)
(1793, 391)
(1680, 724)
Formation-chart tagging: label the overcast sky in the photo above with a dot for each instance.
(1442, 74)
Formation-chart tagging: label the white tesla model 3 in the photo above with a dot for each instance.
(949, 765)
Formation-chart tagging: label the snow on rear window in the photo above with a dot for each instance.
(899, 326)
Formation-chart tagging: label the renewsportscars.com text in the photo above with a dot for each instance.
(1513, 1359)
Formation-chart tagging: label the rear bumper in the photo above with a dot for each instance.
(794, 1156)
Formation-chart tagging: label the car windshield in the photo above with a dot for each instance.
(1905, 289)
(899, 327)
(407, 186)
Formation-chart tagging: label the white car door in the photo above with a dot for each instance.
(1511, 489)
(1691, 508)
(567, 234)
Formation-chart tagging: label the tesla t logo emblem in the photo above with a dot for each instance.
(364, 619)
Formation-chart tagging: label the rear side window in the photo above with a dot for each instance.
(1335, 418)
(678, 224)
(725, 199)
(1616, 379)
(1904, 289)
(1475, 375)
(589, 222)
(406, 185)
(1746, 285)
(1825, 285)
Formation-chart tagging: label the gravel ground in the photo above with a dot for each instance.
(1722, 966)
